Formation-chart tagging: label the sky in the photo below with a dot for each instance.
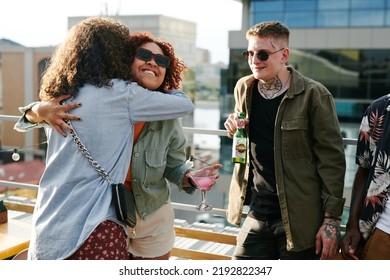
(37, 23)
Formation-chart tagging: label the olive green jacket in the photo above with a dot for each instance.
(158, 157)
(309, 159)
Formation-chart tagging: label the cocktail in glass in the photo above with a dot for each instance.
(203, 180)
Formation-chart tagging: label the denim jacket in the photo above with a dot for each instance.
(72, 197)
(309, 159)
(158, 157)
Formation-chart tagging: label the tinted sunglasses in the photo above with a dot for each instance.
(146, 55)
(261, 55)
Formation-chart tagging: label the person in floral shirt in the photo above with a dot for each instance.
(368, 228)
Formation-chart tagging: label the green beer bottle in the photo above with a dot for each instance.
(240, 142)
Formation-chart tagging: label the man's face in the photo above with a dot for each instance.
(272, 57)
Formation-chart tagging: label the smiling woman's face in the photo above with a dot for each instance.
(147, 73)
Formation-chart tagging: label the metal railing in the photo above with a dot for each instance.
(176, 205)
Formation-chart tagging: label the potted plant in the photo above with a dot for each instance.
(3, 213)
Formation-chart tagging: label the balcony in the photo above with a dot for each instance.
(195, 239)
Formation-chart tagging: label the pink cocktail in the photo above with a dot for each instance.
(203, 180)
(203, 183)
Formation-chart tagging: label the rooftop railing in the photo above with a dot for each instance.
(227, 239)
(187, 130)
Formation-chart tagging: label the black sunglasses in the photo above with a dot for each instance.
(261, 55)
(146, 55)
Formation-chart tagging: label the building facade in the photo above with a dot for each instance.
(180, 33)
(20, 69)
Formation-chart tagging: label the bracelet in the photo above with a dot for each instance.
(332, 218)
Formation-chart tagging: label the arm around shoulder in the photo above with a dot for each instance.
(187, 103)
(148, 105)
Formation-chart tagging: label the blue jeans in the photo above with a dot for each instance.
(266, 240)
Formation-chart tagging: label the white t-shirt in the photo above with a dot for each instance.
(384, 219)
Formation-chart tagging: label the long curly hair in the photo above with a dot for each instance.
(94, 51)
(177, 68)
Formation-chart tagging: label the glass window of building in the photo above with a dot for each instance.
(332, 4)
(333, 19)
(259, 17)
(365, 4)
(366, 18)
(267, 6)
(300, 5)
(322, 13)
(387, 18)
(300, 19)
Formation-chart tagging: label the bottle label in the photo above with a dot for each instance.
(239, 148)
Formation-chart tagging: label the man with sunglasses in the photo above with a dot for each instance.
(293, 179)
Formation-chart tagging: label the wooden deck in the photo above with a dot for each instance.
(196, 241)
(199, 243)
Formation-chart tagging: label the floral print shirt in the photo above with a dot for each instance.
(373, 151)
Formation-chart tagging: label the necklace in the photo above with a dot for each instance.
(273, 88)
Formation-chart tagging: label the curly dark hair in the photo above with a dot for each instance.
(174, 74)
(94, 51)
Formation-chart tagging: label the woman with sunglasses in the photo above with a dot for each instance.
(158, 153)
(294, 179)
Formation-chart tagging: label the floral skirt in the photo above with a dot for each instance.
(106, 242)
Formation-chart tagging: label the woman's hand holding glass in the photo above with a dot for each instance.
(204, 179)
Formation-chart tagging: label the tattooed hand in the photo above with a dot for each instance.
(327, 238)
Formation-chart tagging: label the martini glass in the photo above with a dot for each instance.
(203, 180)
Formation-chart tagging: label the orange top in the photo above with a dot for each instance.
(137, 131)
